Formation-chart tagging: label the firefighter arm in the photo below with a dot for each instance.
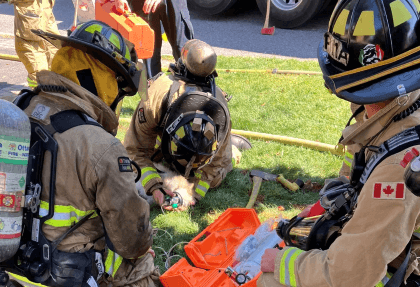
(124, 213)
(212, 174)
(141, 141)
(377, 233)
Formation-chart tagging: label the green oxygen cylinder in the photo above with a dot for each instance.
(15, 133)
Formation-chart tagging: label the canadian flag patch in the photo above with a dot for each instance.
(389, 190)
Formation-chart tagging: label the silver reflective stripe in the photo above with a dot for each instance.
(60, 216)
(286, 266)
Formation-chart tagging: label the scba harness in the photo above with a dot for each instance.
(38, 258)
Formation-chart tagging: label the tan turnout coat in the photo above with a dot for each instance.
(143, 140)
(88, 178)
(380, 229)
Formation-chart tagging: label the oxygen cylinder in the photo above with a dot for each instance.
(15, 133)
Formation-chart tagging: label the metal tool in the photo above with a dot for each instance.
(293, 186)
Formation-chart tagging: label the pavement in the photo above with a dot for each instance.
(232, 34)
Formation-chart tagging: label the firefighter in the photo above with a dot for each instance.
(185, 124)
(368, 58)
(77, 103)
(34, 52)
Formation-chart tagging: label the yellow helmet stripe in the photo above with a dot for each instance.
(365, 25)
(417, 4)
(340, 24)
(400, 13)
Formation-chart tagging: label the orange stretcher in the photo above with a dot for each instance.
(131, 27)
(213, 251)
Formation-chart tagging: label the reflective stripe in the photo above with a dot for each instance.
(384, 280)
(198, 174)
(233, 162)
(112, 263)
(148, 173)
(287, 266)
(93, 28)
(202, 188)
(64, 215)
(348, 158)
(31, 83)
(158, 142)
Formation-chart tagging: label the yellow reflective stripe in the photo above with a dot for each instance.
(31, 83)
(233, 162)
(417, 4)
(202, 188)
(180, 132)
(292, 267)
(115, 40)
(340, 24)
(174, 148)
(24, 279)
(148, 173)
(349, 155)
(198, 174)
(282, 266)
(158, 142)
(287, 266)
(64, 215)
(112, 263)
(400, 13)
(346, 162)
(384, 280)
(365, 25)
(93, 28)
(128, 56)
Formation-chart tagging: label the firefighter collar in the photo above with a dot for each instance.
(78, 98)
(361, 133)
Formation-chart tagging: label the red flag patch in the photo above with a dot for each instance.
(389, 190)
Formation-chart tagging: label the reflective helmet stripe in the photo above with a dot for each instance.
(287, 266)
(148, 173)
(64, 215)
(112, 263)
(94, 27)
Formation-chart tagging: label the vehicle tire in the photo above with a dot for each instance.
(289, 14)
(210, 7)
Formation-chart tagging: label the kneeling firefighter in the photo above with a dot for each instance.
(369, 233)
(184, 124)
(86, 225)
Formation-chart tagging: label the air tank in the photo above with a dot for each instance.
(15, 133)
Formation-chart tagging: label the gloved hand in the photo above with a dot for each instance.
(268, 259)
(160, 199)
(151, 5)
(120, 5)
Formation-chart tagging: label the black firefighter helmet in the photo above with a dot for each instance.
(196, 127)
(108, 46)
(370, 51)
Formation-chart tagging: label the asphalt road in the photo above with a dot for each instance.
(236, 33)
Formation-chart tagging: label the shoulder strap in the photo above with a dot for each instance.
(167, 101)
(66, 120)
(396, 144)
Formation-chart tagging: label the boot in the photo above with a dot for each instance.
(240, 142)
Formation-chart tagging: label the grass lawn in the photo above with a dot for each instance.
(288, 105)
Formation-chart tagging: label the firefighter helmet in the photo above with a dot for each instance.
(199, 58)
(109, 47)
(196, 127)
(368, 52)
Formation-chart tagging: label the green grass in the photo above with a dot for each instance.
(288, 105)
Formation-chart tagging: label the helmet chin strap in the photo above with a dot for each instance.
(189, 166)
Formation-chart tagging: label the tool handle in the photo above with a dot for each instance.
(255, 189)
(287, 184)
(76, 7)
(267, 16)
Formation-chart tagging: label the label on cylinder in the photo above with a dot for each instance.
(10, 182)
(14, 150)
(10, 227)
